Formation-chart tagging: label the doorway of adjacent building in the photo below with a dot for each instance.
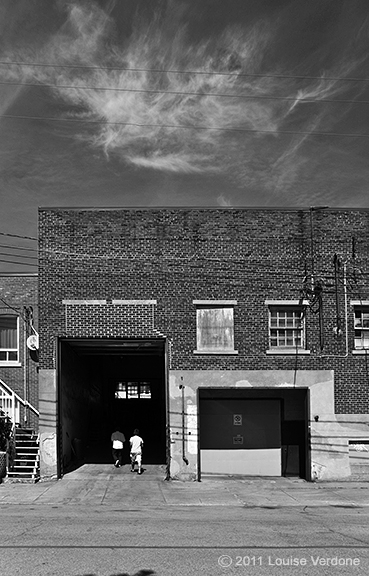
(261, 432)
(109, 384)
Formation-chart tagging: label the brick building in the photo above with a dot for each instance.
(18, 364)
(235, 339)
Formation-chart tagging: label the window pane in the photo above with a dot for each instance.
(145, 391)
(120, 391)
(290, 331)
(365, 339)
(13, 356)
(358, 321)
(132, 390)
(215, 329)
(8, 332)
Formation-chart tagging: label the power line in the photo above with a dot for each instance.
(18, 247)
(17, 236)
(183, 93)
(19, 263)
(16, 256)
(246, 130)
(10, 306)
(199, 72)
(20, 274)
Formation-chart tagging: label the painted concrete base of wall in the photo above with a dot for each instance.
(243, 462)
(48, 451)
(339, 443)
(48, 424)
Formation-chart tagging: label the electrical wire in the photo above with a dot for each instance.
(16, 256)
(19, 263)
(246, 130)
(18, 247)
(10, 306)
(183, 93)
(17, 236)
(197, 72)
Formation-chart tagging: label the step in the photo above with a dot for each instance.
(23, 470)
(27, 466)
(21, 474)
(26, 440)
(27, 455)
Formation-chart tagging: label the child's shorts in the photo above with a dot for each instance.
(136, 458)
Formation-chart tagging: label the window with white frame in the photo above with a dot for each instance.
(9, 338)
(361, 326)
(215, 326)
(286, 327)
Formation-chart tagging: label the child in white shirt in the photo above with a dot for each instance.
(136, 443)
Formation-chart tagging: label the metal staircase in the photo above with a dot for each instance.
(26, 465)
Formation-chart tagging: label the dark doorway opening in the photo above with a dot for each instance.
(106, 384)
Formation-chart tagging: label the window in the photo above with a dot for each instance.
(9, 338)
(132, 390)
(286, 328)
(361, 325)
(215, 327)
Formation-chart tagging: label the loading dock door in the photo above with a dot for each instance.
(240, 436)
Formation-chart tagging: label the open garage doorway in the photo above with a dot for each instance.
(106, 384)
(254, 431)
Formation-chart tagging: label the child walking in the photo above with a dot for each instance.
(136, 443)
(118, 440)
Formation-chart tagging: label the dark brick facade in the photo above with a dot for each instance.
(16, 292)
(175, 256)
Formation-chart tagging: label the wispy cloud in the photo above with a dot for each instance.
(129, 86)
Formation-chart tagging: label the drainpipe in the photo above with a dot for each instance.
(181, 387)
(25, 370)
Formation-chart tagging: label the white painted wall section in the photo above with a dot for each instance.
(266, 462)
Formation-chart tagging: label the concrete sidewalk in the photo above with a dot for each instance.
(102, 484)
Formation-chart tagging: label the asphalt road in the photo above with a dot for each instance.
(40, 540)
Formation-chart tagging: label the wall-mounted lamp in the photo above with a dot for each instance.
(316, 418)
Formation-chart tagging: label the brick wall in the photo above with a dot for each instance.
(17, 291)
(175, 256)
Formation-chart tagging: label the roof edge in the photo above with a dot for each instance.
(209, 208)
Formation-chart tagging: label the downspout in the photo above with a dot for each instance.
(25, 395)
(181, 387)
(167, 416)
(312, 248)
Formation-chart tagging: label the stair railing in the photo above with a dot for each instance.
(15, 397)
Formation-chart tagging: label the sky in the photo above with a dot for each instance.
(179, 103)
